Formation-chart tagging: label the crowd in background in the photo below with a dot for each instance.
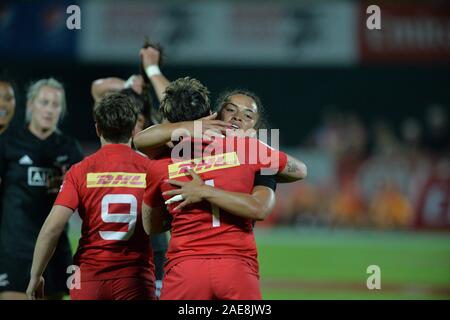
(383, 174)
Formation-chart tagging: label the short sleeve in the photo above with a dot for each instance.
(152, 195)
(68, 195)
(268, 160)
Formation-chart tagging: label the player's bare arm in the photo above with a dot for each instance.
(256, 206)
(160, 134)
(150, 57)
(295, 170)
(155, 220)
(45, 247)
(100, 87)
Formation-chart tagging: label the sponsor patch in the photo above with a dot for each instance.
(115, 179)
(201, 165)
(39, 177)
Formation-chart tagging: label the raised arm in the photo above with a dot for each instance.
(150, 59)
(45, 247)
(100, 87)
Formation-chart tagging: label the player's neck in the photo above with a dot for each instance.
(39, 132)
(104, 142)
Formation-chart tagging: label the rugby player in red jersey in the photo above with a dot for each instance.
(134, 88)
(114, 253)
(212, 252)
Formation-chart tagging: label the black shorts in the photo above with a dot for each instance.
(15, 272)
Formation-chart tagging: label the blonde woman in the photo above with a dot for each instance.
(33, 160)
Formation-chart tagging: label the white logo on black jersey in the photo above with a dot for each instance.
(4, 280)
(39, 177)
(61, 159)
(25, 160)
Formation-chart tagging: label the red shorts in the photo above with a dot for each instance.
(211, 279)
(115, 289)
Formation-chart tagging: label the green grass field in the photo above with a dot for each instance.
(326, 264)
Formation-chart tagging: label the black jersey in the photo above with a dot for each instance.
(27, 165)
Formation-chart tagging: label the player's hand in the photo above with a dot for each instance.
(135, 82)
(190, 192)
(241, 133)
(207, 127)
(35, 288)
(149, 56)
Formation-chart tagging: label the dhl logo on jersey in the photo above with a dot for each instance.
(115, 179)
(200, 165)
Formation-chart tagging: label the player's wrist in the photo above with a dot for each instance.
(152, 70)
(206, 192)
(185, 127)
(129, 83)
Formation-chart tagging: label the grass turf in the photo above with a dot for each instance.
(331, 264)
(324, 264)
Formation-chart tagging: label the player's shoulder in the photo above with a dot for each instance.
(4, 137)
(84, 165)
(16, 138)
(159, 164)
(157, 169)
(12, 132)
(140, 154)
(79, 167)
(6, 133)
(141, 157)
(141, 160)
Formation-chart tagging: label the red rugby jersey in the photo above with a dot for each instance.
(107, 189)
(203, 230)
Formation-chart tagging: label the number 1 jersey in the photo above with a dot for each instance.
(202, 230)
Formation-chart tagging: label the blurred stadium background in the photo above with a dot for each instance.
(367, 111)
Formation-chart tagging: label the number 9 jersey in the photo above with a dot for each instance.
(107, 189)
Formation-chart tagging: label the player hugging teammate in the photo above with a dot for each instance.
(122, 196)
(212, 252)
